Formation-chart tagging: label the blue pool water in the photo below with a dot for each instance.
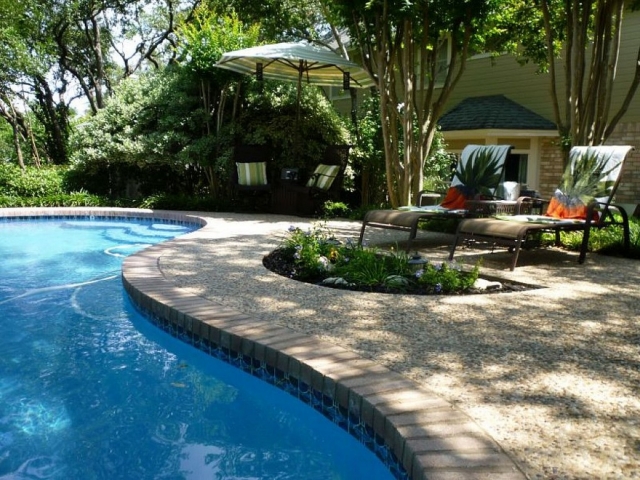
(90, 389)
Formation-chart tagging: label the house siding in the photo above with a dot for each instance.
(504, 75)
(520, 83)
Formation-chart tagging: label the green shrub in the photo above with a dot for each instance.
(297, 138)
(33, 182)
(363, 266)
(185, 203)
(76, 199)
(310, 251)
(315, 255)
(446, 277)
(335, 210)
(606, 241)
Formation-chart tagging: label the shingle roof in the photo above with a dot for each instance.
(492, 112)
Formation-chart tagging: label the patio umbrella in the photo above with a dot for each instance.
(297, 62)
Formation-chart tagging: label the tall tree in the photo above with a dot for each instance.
(417, 52)
(90, 35)
(201, 43)
(61, 50)
(17, 64)
(585, 36)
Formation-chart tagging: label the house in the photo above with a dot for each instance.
(498, 101)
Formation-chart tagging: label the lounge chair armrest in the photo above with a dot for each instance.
(431, 191)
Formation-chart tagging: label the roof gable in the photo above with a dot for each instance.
(492, 112)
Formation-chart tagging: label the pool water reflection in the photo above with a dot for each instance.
(91, 389)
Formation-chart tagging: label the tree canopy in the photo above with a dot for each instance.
(584, 38)
(57, 53)
(417, 52)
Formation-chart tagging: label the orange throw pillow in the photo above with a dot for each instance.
(557, 209)
(454, 200)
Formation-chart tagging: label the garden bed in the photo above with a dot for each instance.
(281, 262)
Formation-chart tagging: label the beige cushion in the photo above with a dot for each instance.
(323, 176)
(252, 173)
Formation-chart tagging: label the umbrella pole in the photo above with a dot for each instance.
(299, 91)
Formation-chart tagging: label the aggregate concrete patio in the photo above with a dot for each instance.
(537, 384)
(552, 375)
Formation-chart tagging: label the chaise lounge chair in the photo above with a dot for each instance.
(477, 176)
(582, 202)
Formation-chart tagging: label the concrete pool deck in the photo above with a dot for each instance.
(537, 384)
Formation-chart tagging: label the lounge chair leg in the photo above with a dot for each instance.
(626, 234)
(516, 252)
(364, 225)
(412, 235)
(558, 242)
(453, 248)
(585, 243)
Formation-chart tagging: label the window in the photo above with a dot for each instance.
(515, 168)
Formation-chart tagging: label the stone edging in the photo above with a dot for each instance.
(430, 438)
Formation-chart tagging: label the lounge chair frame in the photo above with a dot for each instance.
(408, 220)
(514, 234)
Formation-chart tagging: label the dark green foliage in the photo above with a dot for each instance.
(138, 139)
(297, 138)
(33, 182)
(314, 256)
(77, 199)
(151, 137)
(368, 154)
(185, 203)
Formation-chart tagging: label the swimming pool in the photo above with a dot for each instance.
(90, 389)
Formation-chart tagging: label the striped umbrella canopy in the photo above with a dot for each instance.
(296, 62)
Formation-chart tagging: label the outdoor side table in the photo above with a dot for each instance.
(490, 208)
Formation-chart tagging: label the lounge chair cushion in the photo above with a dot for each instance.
(252, 173)
(323, 176)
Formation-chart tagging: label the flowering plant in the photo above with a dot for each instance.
(314, 255)
(313, 252)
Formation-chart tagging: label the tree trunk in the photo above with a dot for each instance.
(586, 116)
(9, 113)
(16, 145)
(55, 120)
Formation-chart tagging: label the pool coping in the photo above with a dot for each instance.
(430, 438)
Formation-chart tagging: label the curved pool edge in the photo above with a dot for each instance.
(428, 436)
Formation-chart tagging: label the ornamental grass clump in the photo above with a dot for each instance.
(316, 256)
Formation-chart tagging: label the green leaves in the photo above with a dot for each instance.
(203, 40)
(482, 170)
(584, 176)
(33, 182)
(317, 256)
